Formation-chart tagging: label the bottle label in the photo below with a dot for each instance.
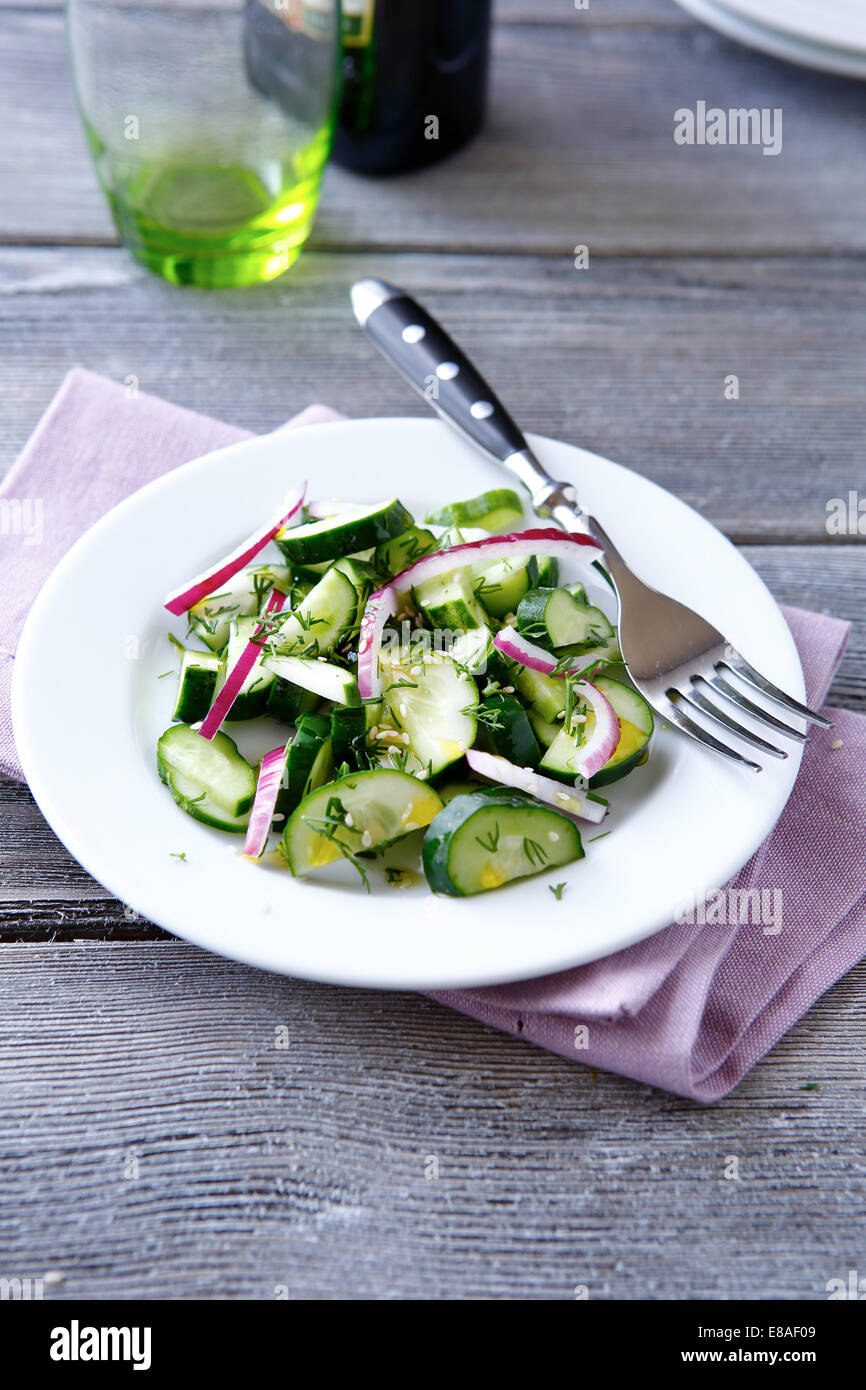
(358, 18)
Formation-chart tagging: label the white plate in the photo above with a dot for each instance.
(829, 35)
(88, 707)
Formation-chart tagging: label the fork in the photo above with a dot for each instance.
(680, 663)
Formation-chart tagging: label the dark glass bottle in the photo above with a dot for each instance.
(414, 81)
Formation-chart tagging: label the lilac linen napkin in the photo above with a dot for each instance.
(691, 1009)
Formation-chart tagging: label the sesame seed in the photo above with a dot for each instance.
(366, 839)
(553, 835)
(836, 745)
(349, 819)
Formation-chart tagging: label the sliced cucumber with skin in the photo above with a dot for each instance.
(636, 730)
(433, 703)
(488, 838)
(310, 762)
(345, 534)
(252, 698)
(506, 730)
(448, 790)
(544, 731)
(349, 735)
(546, 694)
(500, 587)
(636, 727)
(394, 556)
(208, 778)
(544, 573)
(323, 678)
(577, 591)
(196, 685)
(361, 811)
(241, 596)
(363, 576)
(287, 701)
(471, 650)
(495, 511)
(554, 618)
(321, 621)
(449, 603)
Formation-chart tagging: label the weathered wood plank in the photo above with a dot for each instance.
(628, 357)
(156, 1143)
(578, 149)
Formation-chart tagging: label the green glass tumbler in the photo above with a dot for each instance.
(210, 123)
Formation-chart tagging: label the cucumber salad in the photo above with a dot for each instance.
(439, 687)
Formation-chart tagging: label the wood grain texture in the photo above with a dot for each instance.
(154, 1142)
(305, 1167)
(629, 358)
(578, 148)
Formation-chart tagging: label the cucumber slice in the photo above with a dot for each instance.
(252, 698)
(544, 731)
(196, 685)
(326, 680)
(360, 812)
(471, 650)
(201, 806)
(349, 735)
(555, 618)
(310, 761)
(544, 573)
(345, 534)
(394, 556)
(546, 694)
(506, 730)
(320, 622)
(206, 777)
(485, 839)
(494, 511)
(242, 595)
(432, 703)
(449, 603)
(636, 727)
(500, 586)
(363, 576)
(448, 790)
(287, 701)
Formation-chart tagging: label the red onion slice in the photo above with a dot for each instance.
(602, 742)
(570, 801)
(208, 583)
(267, 790)
(514, 645)
(381, 606)
(564, 545)
(231, 688)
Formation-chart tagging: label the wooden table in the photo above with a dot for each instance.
(155, 1142)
